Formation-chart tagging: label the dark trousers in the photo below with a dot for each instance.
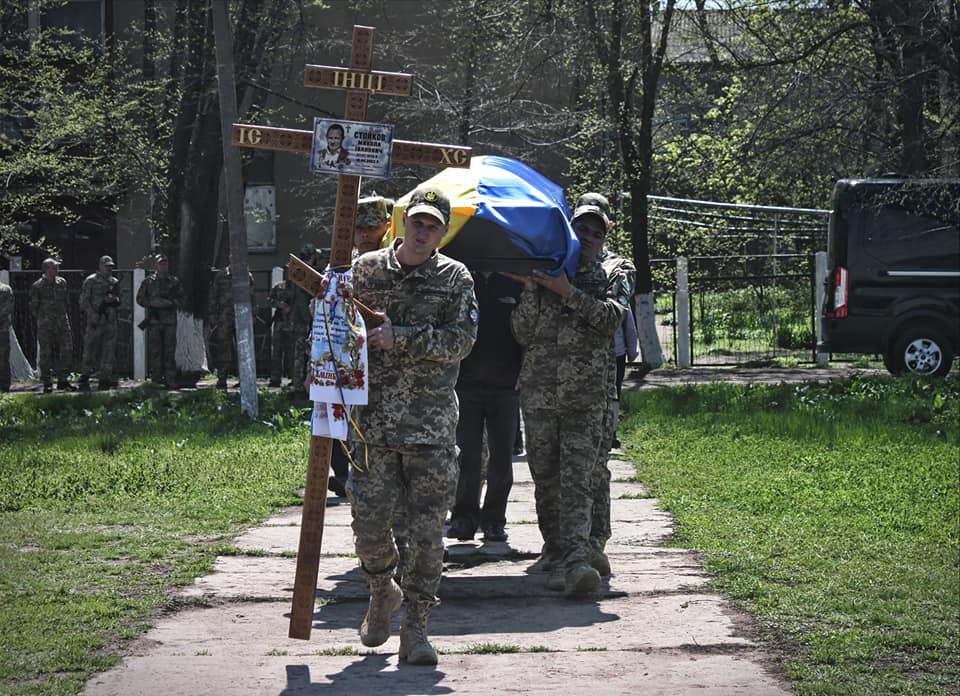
(496, 411)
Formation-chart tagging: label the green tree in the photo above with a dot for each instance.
(624, 59)
(70, 140)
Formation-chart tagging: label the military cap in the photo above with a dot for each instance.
(160, 258)
(592, 209)
(106, 260)
(307, 250)
(430, 201)
(597, 199)
(372, 211)
(49, 261)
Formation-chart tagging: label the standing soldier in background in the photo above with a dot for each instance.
(6, 311)
(373, 218)
(162, 295)
(49, 304)
(281, 345)
(98, 303)
(222, 319)
(622, 272)
(301, 319)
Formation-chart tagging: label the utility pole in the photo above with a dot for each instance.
(233, 185)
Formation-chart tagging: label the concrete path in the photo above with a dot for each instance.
(655, 628)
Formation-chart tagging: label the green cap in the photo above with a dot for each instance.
(431, 201)
(372, 211)
(595, 199)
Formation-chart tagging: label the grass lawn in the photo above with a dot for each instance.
(829, 511)
(108, 502)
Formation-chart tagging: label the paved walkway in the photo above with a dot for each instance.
(655, 628)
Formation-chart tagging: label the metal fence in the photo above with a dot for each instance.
(745, 276)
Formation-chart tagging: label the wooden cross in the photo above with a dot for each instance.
(360, 82)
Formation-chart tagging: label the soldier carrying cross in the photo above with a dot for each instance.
(422, 320)
(428, 323)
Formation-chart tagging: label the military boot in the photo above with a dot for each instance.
(385, 598)
(600, 562)
(581, 580)
(415, 647)
(84, 383)
(555, 580)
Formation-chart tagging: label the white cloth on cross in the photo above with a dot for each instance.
(338, 356)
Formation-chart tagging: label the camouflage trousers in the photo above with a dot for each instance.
(281, 353)
(562, 454)
(56, 350)
(4, 355)
(224, 346)
(600, 514)
(162, 352)
(428, 476)
(301, 353)
(99, 349)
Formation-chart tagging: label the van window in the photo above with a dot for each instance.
(902, 238)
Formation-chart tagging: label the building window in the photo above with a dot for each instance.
(260, 214)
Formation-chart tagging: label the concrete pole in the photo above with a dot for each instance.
(139, 343)
(819, 279)
(233, 186)
(683, 314)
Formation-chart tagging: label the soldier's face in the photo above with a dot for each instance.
(422, 235)
(51, 271)
(106, 269)
(163, 267)
(591, 232)
(368, 237)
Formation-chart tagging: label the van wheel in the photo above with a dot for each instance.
(919, 350)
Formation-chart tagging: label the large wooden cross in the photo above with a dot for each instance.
(360, 82)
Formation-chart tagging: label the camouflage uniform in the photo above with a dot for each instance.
(161, 295)
(6, 311)
(410, 422)
(622, 272)
(563, 394)
(222, 319)
(281, 347)
(301, 319)
(99, 299)
(49, 304)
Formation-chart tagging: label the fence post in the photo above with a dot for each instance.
(683, 314)
(138, 344)
(820, 278)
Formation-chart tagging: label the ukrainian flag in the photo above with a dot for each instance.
(504, 216)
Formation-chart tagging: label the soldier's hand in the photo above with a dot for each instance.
(381, 336)
(558, 284)
(526, 280)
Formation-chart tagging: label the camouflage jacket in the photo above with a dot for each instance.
(99, 298)
(624, 274)
(162, 297)
(220, 301)
(6, 307)
(49, 301)
(568, 343)
(434, 316)
(282, 294)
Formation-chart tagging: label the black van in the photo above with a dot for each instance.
(893, 282)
